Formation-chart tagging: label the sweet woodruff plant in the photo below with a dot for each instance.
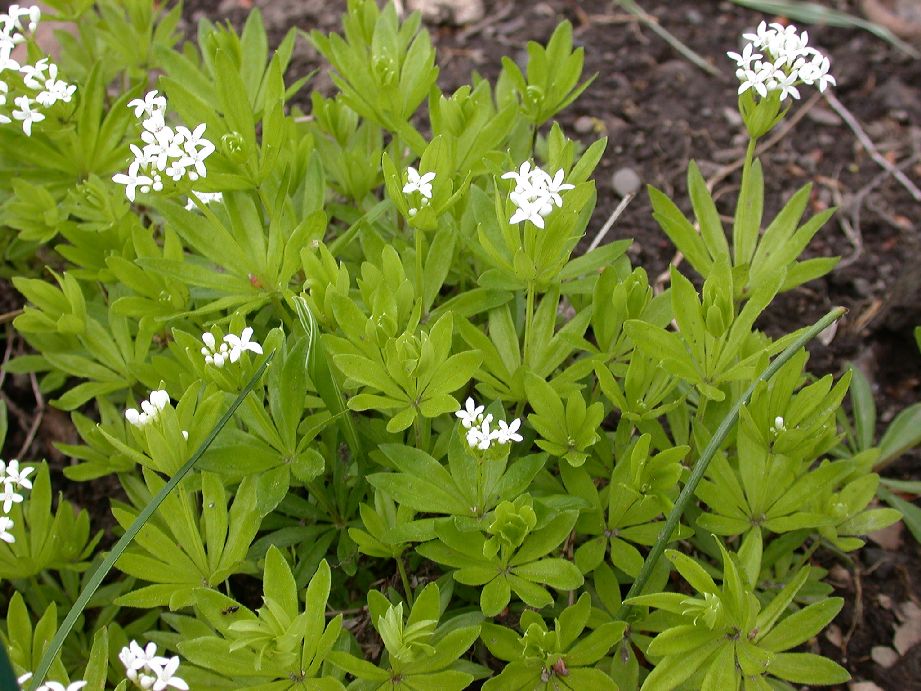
(374, 420)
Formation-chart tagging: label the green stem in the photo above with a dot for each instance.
(419, 238)
(687, 493)
(529, 318)
(403, 577)
(100, 573)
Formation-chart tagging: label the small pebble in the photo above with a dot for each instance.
(584, 124)
(626, 181)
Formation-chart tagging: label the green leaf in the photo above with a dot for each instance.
(903, 433)
(864, 408)
(800, 626)
(495, 596)
(806, 668)
(708, 218)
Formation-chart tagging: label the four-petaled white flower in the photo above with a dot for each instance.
(418, 183)
(26, 113)
(150, 409)
(166, 676)
(151, 103)
(6, 524)
(133, 180)
(240, 344)
(508, 433)
(471, 414)
(10, 473)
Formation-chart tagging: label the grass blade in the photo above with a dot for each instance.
(687, 493)
(96, 579)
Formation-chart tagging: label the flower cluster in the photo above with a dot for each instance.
(231, 348)
(176, 153)
(53, 685)
(39, 81)
(418, 183)
(777, 58)
(13, 480)
(480, 434)
(150, 409)
(151, 671)
(535, 193)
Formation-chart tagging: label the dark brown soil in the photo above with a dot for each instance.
(659, 111)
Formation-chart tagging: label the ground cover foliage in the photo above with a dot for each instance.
(396, 434)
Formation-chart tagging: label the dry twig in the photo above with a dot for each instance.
(610, 222)
(870, 147)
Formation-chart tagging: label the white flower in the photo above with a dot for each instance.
(471, 414)
(508, 433)
(135, 658)
(166, 675)
(133, 180)
(28, 675)
(6, 62)
(815, 72)
(480, 437)
(747, 57)
(34, 75)
(787, 62)
(6, 525)
(11, 474)
(204, 198)
(150, 104)
(58, 686)
(527, 211)
(161, 145)
(756, 79)
(150, 409)
(416, 183)
(535, 193)
(26, 114)
(9, 496)
(241, 343)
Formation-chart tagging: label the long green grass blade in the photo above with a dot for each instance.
(813, 13)
(687, 493)
(96, 579)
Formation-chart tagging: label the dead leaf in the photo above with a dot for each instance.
(884, 656)
(909, 633)
(834, 635)
(863, 686)
(889, 538)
